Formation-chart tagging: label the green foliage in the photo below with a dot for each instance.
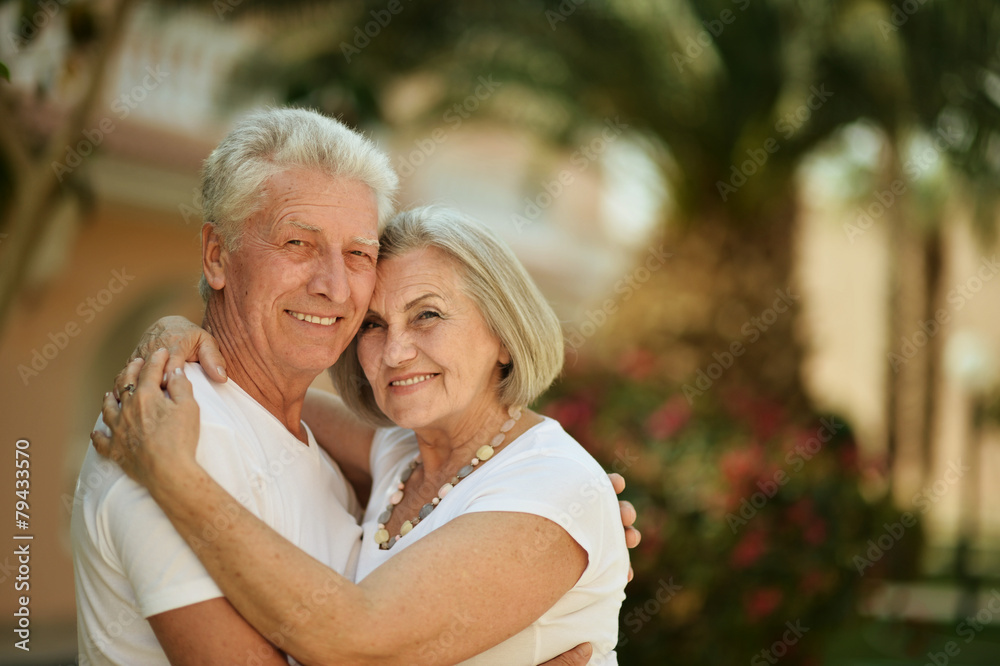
(749, 520)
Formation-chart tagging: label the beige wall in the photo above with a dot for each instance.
(55, 409)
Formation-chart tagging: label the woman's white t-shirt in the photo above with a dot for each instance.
(544, 472)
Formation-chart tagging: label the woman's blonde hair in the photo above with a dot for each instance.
(510, 303)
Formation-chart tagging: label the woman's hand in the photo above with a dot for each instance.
(154, 434)
(185, 342)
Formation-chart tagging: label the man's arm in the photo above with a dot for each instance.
(210, 633)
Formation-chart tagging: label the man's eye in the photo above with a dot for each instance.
(369, 325)
(297, 243)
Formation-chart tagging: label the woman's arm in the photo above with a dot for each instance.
(343, 436)
(464, 588)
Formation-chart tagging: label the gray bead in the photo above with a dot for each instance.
(465, 471)
(406, 474)
(384, 517)
(425, 510)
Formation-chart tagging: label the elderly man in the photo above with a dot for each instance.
(292, 203)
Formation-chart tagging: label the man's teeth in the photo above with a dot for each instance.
(411, 380)
(322, 321)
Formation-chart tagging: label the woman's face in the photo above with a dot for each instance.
(424, 346)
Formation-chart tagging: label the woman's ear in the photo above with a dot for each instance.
(213, 257)
(504, 358)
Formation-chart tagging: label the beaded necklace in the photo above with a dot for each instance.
(484, 453)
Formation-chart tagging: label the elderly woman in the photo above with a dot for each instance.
(491, 534)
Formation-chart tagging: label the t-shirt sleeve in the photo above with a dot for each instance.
(164, 572)
(556, 487)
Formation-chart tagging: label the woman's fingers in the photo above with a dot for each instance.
(102, 443)
(151, 374)
(632, 537)
(617, 481)
(127, 377)
(110, 409)
(179, 387)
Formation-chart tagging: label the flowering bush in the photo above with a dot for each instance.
(753, 520)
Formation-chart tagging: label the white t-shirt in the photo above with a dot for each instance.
(544, 472)
(130, 562)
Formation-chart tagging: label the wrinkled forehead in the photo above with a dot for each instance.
(402, 277)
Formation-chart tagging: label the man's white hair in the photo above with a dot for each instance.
(271, 141)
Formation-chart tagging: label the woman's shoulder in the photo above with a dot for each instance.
(548, 441)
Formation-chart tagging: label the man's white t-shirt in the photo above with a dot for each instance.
(129, 561)
(544, 472)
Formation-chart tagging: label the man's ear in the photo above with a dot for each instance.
(213, 257)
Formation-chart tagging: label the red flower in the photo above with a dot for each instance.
(801, 513)
(637, 363)
(741, 465)
(669, 418)
(815, 534)
(762, 603)
(750, 549)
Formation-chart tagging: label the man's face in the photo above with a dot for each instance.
(301, 280)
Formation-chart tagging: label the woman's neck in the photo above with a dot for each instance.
(444, 452)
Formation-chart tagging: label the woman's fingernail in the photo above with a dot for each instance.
(178, 371)
(161, 349)
(222, 371)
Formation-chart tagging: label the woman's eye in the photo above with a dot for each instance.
(428, 314)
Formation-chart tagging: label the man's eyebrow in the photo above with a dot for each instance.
(365, 240)
(304, 226)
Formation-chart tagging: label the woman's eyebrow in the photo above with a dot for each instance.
(418, 299)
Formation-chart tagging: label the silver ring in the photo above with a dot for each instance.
(130, 388)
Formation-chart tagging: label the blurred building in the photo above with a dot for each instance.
(126, 252)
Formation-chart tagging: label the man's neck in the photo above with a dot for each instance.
(280, 393)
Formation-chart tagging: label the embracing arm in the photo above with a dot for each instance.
(211, 632)
(496, 572)
(485, 571)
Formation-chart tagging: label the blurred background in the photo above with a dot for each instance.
(768, 225)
